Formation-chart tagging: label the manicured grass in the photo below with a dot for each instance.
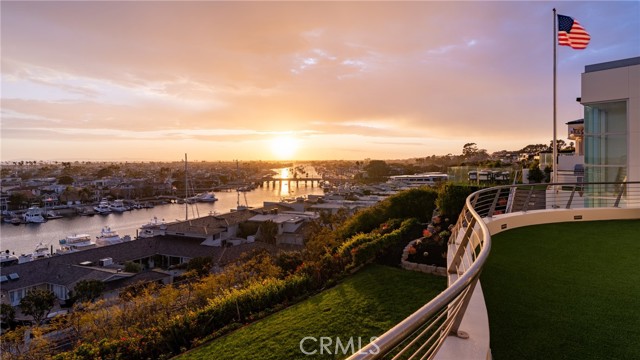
(364, 305)
(565, 291)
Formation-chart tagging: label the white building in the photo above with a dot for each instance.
(611, 99)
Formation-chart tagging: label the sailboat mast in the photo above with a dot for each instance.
(186, 189)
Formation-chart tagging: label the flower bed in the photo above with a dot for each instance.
(428, 254)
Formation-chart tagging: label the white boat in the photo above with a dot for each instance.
(76, 242)
(103, 207)
(153, 228)
(118, 206)
(34, 215)
(42, 251)
(50, 215)
(12, 218)
(110, 237)
(7, 259)
(204, 197)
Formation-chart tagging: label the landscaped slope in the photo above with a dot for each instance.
(565, 291)
(364, 305)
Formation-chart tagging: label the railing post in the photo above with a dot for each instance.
(457, 257)
(571, 197)
(622, 187)
(455, 328)
(525, 206)
(492, 209)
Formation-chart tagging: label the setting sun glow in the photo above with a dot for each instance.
(284, 147)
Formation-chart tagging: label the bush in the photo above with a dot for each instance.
(415, 203)
(452, 197)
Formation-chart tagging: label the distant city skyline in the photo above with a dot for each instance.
(292, 80)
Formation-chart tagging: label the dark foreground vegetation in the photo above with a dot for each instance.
(160, 322)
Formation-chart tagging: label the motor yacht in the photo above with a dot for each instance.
(110, 237)
(76, 242)
(34, 215)
(103, 207)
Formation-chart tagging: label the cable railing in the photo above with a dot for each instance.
(423, 333)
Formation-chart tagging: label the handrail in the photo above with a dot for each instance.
(423, 333)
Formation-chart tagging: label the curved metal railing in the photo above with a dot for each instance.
(423, 333)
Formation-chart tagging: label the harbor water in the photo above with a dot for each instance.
(24, 238)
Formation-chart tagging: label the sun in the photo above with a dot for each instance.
(284, 147)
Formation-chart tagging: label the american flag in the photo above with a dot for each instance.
(571, 33)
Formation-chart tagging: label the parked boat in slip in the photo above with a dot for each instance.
(41, 251)
(33, 215)
(50, 215)
(75, 242)
(103, 207)
(118, 206)
(152, 228)
(110, 237)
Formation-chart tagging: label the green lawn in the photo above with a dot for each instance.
(565, 291)
(364, 305)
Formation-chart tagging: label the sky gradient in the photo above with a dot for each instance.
(306, 80)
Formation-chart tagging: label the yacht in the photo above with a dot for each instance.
(118, 206)
(75, 242)
(7, 259)
(34, 215)
(103, 207)
(152, 228)
(50, 215)
(110, 237)
(205, 197)
(41, 252)
(12, 218)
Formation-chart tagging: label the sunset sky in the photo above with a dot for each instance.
(304, 80)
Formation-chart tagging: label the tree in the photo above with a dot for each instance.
(7, 315)
(560, 144)
(88, 290)
(377, 169)
(37, 304)
(268, 232)
(201, 265)
(535, 174)
(65, 180)
(16, 200)
(469, 150)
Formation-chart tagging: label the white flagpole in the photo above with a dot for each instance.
(555, 98)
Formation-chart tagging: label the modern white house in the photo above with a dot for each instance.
(611, 99)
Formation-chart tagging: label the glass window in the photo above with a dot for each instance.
(605, 150)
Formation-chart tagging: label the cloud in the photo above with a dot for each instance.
(378, 73)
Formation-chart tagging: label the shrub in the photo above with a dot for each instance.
(414, 203)
(452, 197)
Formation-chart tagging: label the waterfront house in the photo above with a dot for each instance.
(211, 230)
(60, 273)
(290, 225)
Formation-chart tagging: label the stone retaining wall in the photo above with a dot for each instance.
(428, 269)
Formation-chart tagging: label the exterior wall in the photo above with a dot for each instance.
(616, 84)
(502, 223)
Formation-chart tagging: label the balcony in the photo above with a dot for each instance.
(456, 324)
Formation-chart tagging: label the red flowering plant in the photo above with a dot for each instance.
(433, 244)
